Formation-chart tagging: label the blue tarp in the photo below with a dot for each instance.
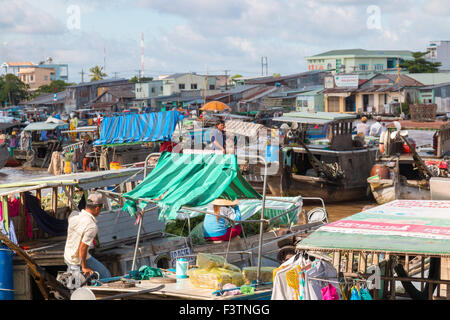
(138, 128)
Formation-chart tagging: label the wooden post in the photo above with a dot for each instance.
(54, 200)
(350, 262)
(23, 217)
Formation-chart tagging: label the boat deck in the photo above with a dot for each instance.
(181, 289)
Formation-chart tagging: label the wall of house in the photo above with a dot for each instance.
(442, 99)
(36, 77)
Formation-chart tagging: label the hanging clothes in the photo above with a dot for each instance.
(11, 233)
(47, 223)
(284, 286)
(104, 159)
(320, 269)
(56, 166)
(25, 141)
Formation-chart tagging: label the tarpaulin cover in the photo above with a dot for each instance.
(404, 226)
(138, 128)
(191, 180)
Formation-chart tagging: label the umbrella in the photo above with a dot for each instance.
(215, 106)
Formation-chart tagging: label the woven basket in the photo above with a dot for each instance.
(423, 112)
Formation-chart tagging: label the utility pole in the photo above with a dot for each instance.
(82, 75)
(115, 75)
(226, 79)
(142, 54)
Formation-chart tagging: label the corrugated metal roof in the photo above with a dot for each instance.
(429, 79)
(248, 129)
(362, 52)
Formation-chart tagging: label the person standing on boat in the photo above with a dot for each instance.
(85, 149)
(13, 143)
(218, 137)
(216, 228)
(363, 127)
(376, 129)
(81, 232)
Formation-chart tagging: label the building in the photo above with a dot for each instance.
(375, 95)
(357, 60)
(436, 94)
(51, 102)
(60, 71)
(310, 101)
(81, 95)
(178, 82)
(145, 92)
(304, 81)
(439, 51)
(114, 98)
(431, 79)
(36, 77)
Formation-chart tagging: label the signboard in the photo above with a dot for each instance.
(329, 82)
(181, 253)
(381, 82)
(346, 80)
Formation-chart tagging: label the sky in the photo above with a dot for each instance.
(210, 36)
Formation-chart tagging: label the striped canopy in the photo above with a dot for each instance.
(138, 128)
(191, 180)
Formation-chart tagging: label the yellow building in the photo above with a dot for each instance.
(36, 77)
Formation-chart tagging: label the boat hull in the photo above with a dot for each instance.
(385, 192)
(4, 155)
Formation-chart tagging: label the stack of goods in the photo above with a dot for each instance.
(250, 274)
(214, 273)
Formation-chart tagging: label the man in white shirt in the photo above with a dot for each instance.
(81, 233)
(377, 128)
(363, 127)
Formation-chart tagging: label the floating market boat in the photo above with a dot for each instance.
(404, 171)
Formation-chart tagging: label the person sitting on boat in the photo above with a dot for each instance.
(363, 127)
(218, 137)
(81, 232)
(219, 229)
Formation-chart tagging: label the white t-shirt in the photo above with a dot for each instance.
(376, 129)
(82, 228)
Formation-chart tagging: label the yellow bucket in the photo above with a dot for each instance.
(114, 165)
(67, 167)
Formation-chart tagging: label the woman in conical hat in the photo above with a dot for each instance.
(218, 229)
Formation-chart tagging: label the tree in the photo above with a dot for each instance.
(236, 76)
(420, 64)
(97, 73)
(276, 75)
(12, 90)
(135, 79)
(54, 86)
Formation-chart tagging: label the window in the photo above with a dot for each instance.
(45, 78)
(181, 86)
(379, 67)
(193, 86)
(153, 89)
(31, 78)
(212, 87)
(363, 67)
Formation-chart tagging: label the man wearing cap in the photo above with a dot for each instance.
(219, 229)
(81, 233)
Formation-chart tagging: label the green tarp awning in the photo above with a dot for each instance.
(190, 180)
(401, 226)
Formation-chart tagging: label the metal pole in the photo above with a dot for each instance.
(146, 162)
(137, 242)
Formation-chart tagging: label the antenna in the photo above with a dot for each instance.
(82, 75)
(142, 54)
(104, 58)
(226, 79)
(264, 63)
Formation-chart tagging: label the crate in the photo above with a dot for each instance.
(423, 112)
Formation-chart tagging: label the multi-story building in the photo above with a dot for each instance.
(60, 71)
(439, 51)
(357, 60)
(36, 77)
(176, 83)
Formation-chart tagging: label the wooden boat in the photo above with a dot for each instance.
(332, 169)
(407, 175)
(4, 155)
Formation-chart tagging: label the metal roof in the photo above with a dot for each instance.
(314, 117)
(362, 52)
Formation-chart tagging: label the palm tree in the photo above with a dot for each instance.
(97, 73)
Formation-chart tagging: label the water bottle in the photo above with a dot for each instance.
(182, 268)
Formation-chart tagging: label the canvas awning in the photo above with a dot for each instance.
(401, 226)
(138, 128)
(248, 129)
(190, 180)
(44, 126)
